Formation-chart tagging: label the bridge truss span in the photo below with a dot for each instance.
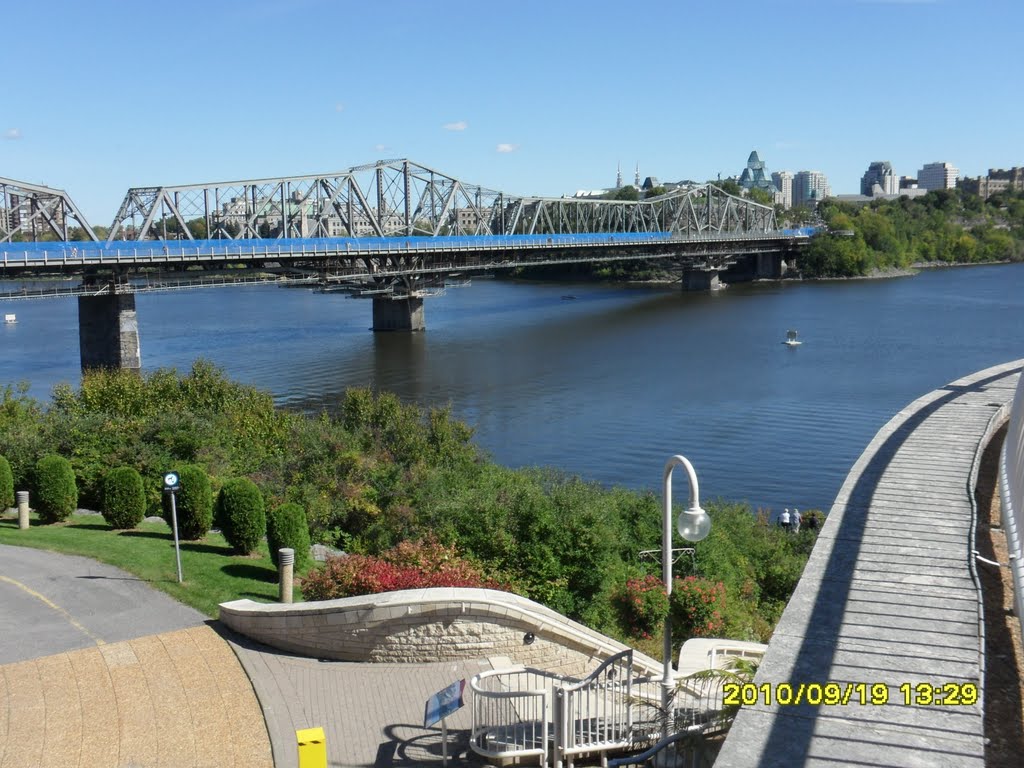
(400, 198)
(35, 212)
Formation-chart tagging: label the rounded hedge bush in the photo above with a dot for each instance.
(240, 514)
(193, 503)
(287, 527)
(6, 484)
(56, 492)
(124, 498)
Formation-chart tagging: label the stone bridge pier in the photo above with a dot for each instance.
(399, 314)
(108, 332)
(701, 279)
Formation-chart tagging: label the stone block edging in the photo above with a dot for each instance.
(426, 625)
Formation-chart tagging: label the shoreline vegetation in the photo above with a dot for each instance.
(407, 490)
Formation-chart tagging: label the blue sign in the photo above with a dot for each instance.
(443, 703)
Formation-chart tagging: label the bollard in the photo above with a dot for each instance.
(285, 566)
(22, 510)
(312, 748)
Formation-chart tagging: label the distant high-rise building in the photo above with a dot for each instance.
(810, 188)
(753, 176)
(879, 172)
(908, 182)
(618, 175)
(783, 181)
(636, 177)
(937, 176)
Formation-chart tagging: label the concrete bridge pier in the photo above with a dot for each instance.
(108, 332)
(696, 279)
(399, 314)
(770, 266)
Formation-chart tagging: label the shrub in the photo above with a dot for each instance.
(642, 606)
(56, 493)
(194, 503)
(698, 606)
(409, 565)
(124, 498)
(287, 527)
(240, 514)
(6, 484)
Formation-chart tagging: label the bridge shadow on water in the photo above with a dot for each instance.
(793, 729)
(475, 344)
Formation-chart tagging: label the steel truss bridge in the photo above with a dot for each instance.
(393, 228)
(393, 231)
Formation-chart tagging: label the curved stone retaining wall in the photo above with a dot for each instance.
(427, 625)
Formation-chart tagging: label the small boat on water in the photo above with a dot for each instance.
(568, 297)
(10, 318)
(791, 339)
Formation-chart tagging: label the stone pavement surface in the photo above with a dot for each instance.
(371, 713)
(85, 682)
(889, 597)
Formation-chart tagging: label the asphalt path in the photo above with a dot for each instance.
(52, 603)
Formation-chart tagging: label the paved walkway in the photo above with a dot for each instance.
(84, 681)
(51, 603)
(372, 714)
(888, 596)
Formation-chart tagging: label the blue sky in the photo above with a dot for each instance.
(527, 97)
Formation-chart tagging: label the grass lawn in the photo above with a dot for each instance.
(212, 574)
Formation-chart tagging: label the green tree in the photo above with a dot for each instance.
(761, 196)
(194, 503)
(6, 484)
(197, 228)
(287, 527)
(628, 192)
(240, 514)
(124, 498)
(56, 494)
(729, 186)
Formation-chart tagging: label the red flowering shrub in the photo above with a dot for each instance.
(698, 607)
(409, 565)
(642, 605)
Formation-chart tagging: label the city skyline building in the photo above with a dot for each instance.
(937, 176)
(880, 174)
(754, 175)
(997, 180)
(783, 181)
(810, 188)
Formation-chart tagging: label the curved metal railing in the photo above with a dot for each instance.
(512, 713)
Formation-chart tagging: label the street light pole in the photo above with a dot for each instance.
(693, 525)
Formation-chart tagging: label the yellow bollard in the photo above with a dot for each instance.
(312, 748)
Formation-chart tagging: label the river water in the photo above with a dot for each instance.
(606, 385)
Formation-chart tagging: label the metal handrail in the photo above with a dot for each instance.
(512, 708)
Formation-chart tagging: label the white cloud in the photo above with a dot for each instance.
(12, 134)
(379, 147)
(506, 148)
(461, 125)
(339, 107)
